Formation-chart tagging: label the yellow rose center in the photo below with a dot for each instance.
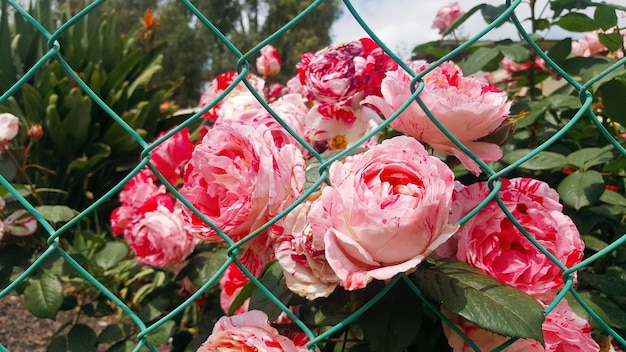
(339, 142)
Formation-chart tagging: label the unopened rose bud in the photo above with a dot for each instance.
(268, 64)
(35, 132)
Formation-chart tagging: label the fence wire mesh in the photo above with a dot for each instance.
(54, 53)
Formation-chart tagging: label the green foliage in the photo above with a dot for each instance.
(82, 149)
(482, 300)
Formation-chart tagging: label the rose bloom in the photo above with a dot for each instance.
(385, 211)
(159, 238)
(250, 331)
(301, 255)
(344, 73)
(245, 109)
(171, 156)
(589, 45)
(139, 195)
(19, 223)
(337, 126)
(219, 85)
(490, 242)
(9, 125)
(446, 15)
(563, 331)
(467, 107)
(233, 280)
(268, 64)
(239, 180)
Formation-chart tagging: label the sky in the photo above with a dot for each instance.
(403, 24)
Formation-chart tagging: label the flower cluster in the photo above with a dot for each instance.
(384, 208)
(149, 217)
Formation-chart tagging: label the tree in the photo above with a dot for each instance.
(248, 22)
(196, 55)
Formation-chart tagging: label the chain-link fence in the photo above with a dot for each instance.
(54, 53)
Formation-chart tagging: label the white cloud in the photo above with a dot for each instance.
(404, 24)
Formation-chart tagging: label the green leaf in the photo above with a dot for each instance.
(336, 307)
(577, 22)
(581, 188)
(244, 294)
(481, 299)
(114, 333)
(394, 321)
(56, 213)
(514, 51)
(491, 13)
(606, 309)
(605, 17)
(44, 296)
(34, 105)
(612, 41)
(8, 169)
(161, 334)
(111, 254)
(459, 21)
(612, 282)
(123, 346)
(97, 309)
(274, 281)
(58, 344)
(81, 339)
(588, 157)
(613, 93)
(204, 266)
(613, 198)
(15, 259)
(542, 161)
(561, 50)
(593, 243)
(479, 59)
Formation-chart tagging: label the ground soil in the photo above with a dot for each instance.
(20, 331)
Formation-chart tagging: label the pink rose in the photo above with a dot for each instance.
(233, 280)
(250, 331)
(337, 126)
(268, 64)
(467, 107)
(219, 84)
(159, 238)
(490, 242)
(239, 180)
(245, 109)
(9, 125)
(171, 156)
(446, 15)
(563, 331)
(138, 196)
(589, 45)
(511, 66)
(302, 257)
(344, 73)
(19, 223)
(385, 210)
